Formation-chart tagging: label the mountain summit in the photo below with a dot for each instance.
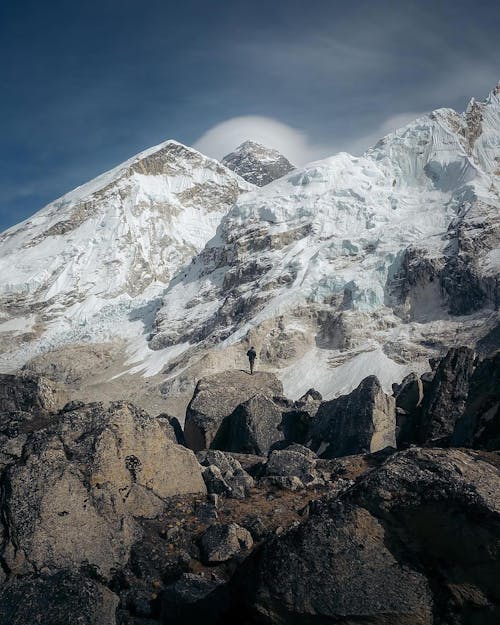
(347, 267)
(257, 164)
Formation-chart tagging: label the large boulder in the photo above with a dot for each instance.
(385, 551)
(30, 393)
(253, 427)
(216, 396)
(363, 421)
(60, 599)
(444, 402)
(84, 481)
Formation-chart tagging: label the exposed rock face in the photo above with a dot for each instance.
(479, 425)
(385, 551)
(252, 428)
(257, 164)
(363, 421)
(221, 542)
(445, 401)
(83, 481)
(30, 393)
(217, 396)
(60, 599)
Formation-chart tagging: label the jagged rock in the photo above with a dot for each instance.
(221, 542)
(217, 396)
(187, 599)
(60, 599)
(252, 428)
(256, 163)
(83, 481)
(30, 393)
(224, 475)
(444, 402)
(479, 425)
(363, 421)
(385, 551)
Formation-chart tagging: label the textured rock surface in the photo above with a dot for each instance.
(444, 402)
(295, 461)
(221, 542)
(60, 599)
(363, 421)
(217, 396)
(83, 481)
(257, 164)
(31, 393)
(252, 428)
(386, 552)
(224, 475)
(479, 425)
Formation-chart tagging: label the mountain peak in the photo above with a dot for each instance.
(257, 163)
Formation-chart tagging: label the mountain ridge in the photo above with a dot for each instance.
(346, 266)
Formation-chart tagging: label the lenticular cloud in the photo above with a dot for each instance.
(294, 144)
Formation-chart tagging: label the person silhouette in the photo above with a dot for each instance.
(252, 355)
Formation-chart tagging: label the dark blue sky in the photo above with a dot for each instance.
(87, 84)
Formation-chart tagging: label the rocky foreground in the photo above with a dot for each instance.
(366, 509)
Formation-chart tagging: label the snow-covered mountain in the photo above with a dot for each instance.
(352, 266)
(257, 164)
(346, 267)
(77, 267)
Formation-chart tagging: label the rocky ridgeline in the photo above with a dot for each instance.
(367, 508)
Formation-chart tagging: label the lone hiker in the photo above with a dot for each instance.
(252, 355)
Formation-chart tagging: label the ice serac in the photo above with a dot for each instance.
(87, 260)
(257, 164)
(354, 266)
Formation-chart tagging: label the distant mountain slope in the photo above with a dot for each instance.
(370, 263)
(257, 164)
(344, 268)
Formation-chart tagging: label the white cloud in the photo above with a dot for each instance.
(292, 143)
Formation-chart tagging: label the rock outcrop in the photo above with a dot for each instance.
(479, 424)
(444, 402)
(216, 396)
(385, 551)
(30, 393)
(82, 483)
(363, 421)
